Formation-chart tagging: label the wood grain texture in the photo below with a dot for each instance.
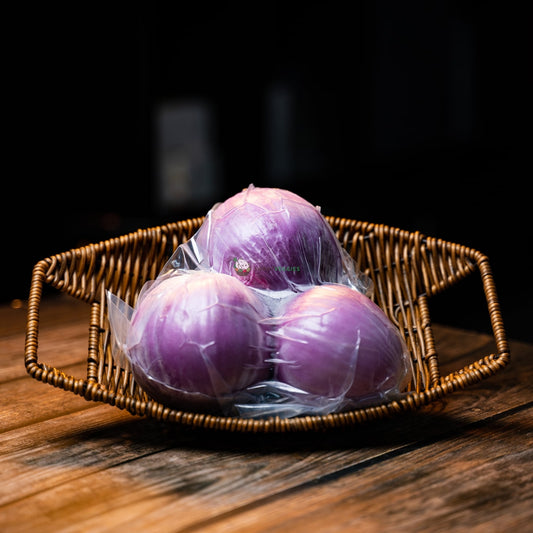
(471, 480)
(463, 464)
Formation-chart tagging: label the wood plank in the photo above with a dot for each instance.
(454, 342)
(212, 474)
(77, 444)
(62, 429)
(59, 347)
(476, 479)
(55, 310)
(175, 492)
(32, 401)
(63, 335)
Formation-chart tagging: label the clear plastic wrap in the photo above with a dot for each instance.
(261, 313)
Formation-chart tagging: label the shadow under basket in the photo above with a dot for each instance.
(407, 270)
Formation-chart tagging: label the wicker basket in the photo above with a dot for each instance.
(407, 268)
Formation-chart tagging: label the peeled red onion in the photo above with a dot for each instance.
(272, 239)
(195, 338)
(334, 341)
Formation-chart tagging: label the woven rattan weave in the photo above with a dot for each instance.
(407, 269)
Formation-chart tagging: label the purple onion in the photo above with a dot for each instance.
(334, 341)
(270, 238)
(195, 338)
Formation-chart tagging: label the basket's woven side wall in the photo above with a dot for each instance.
(121, 265)
(443, 264)
(432, 264)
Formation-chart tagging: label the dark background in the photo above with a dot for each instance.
(412, 114)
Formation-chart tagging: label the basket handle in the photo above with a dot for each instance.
(489, 287)
(35, 369)
(490, 364)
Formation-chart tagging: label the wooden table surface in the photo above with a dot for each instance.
(67, 464)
